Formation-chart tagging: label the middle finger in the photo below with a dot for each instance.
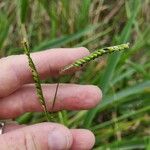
(69, 97)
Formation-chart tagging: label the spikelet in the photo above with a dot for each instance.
(95, 54)
(36, 78)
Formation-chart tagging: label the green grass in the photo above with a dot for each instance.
(122, 119)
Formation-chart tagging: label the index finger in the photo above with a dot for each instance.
(15, 70)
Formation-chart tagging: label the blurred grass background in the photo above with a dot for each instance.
(122, 120)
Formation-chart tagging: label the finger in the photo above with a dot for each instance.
(11, 127)
(15, 70)
(69, 97)
(53, 136)
(82, 139)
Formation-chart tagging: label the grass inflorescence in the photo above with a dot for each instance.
(36, 78)
(95, 55)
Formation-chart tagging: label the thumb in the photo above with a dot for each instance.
(41, 136)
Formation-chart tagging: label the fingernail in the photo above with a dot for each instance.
(57, 140)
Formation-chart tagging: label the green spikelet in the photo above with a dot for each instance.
(94, 55)
(36, 79)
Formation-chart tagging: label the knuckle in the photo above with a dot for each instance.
(29, 142)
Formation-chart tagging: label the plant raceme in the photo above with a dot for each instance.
(94, 55)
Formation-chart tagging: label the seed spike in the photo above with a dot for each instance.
(36, 78)
(94, 55)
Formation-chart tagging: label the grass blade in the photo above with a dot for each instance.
(23, 10)
(121, 118)
(119, 98)
(137, 143)
(65, 39)
(4, 28)
(114, 59)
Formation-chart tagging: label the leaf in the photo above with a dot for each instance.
(23, 10)
(128, 144)
(114, 58)
(120, 118)
(64, 39)
(118, 98)
(4, 28)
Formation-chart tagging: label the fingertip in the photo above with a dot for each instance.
(96, 95)
(84, 51)
(91, 96)
(82, 139)
(78, 53)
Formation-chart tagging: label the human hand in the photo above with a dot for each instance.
(18, 95)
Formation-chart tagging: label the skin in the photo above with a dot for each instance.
(17, 96)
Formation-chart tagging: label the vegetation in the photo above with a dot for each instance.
(122, 119)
